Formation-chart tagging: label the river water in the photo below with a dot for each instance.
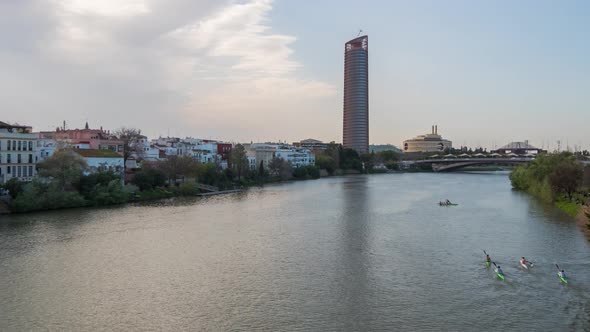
(352, 253)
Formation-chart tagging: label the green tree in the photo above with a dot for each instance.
(148, 178)
(65, 167)
(324, 161)
(281, 168)
(14, 187)
(238, 160)
(178, 167)
(566, 178)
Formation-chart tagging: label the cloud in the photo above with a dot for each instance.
(150, 64)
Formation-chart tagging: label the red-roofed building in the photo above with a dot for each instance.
(86, 138)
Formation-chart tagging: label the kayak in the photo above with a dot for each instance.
(488, 264)
(564, 280)
(524, 266)
(451, 204)
(500, 275)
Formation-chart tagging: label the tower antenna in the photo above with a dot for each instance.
(360, 31)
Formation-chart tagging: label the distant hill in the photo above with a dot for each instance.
(384, 147)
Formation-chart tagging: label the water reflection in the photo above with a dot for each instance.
(355, 248)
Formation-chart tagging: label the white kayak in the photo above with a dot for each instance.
(524, 266)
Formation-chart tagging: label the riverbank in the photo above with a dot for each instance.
(583, 220)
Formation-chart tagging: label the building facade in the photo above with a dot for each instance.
(355, 129)
(86, 138)
(432, 142)
(263, 153)
(312, 144)
(17, 152)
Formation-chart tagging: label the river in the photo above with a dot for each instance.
(351, 253)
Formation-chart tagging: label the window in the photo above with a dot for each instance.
(8, 145)
(30, 170)
(19, 145)
(18, 160)
(19, 172)
(30, 158)
(8, 161)
(8, 170)
(30, 145)
(25, 171)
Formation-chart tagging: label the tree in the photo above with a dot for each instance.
(149, 178)
(65, 167)
(131, 138)
(14, 187)
(349, 159)
(261, 172)
(238, 160)
(281, 168)
(175, 166)
(324, 161)
(566, 178)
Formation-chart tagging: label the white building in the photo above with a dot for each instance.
(46, 147)
(265, 152)
(17, 152)
(432, 142)
(102, 160)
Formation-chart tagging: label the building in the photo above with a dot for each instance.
(46, 147)
(17, 152)
(264, 152)
(520, 148)
(312, 144)
(102, 160)
(355, 129)
(86, 138)
(432, 142)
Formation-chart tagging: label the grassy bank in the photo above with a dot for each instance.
(555, 178)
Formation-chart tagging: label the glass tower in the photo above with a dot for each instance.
(355, 129)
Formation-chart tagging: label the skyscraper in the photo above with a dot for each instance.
(355, 129)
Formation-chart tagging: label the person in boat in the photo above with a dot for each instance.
(448, 202)
(499, 270)
(562, 274)
(523, 261)
(488, 259)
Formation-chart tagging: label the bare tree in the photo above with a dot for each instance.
(131, 138)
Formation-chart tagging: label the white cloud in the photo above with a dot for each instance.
(151, 63)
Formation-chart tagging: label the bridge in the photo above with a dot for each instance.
(453, 164)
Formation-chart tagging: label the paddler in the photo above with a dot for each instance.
(523, 261)
(488, 259)
(562, 274)
(499, 270)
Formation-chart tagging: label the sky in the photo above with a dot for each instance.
(486, 72)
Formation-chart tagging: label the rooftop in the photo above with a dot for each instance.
(518, 145)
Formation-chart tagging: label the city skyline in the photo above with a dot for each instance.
(489, 74)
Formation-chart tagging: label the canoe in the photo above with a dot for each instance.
(564, 280)
(500, 275)
(524, 266)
